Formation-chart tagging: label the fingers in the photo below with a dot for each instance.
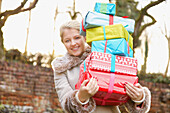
(130, 93)
(92, 83)
(131, 88)
(92, 86)
(134, 91)
(84, 83)
(95, 88)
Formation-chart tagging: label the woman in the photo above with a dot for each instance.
(66, 75)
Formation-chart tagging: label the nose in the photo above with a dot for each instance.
(73, 42)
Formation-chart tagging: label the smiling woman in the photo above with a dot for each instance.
(66, 75)
(71, 38)
(74, 43)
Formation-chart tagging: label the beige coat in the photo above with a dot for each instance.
(66, 74)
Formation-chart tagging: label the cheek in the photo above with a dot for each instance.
(82, 45)
(66, 46)
(83, 41)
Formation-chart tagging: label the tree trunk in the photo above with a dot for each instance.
(2, 51)
(74, 15)
(139, 28)
(167, 67)
(136, 32)
(143, 70)
(4, 16)
(55, 16)
(25, 53)
(0, 5)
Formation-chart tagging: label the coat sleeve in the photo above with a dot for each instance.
(66, 96)
(131, 107)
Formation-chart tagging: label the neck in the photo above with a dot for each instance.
(69, 61)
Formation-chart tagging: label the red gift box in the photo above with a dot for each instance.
(111, 84)
(113, 63)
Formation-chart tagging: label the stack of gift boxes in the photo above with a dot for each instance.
(111, 60)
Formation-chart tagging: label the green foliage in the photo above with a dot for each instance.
(14, 55)
(15, 109)
(155, 78)
(127, 8)
(10, 109)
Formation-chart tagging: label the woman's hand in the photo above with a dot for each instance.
(87, 91)
(135, 92)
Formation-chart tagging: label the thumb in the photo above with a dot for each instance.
(84, 83)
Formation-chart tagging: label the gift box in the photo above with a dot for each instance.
(113, 63)
(113, 46)
(105, 8)
(94, 19)
(111, 84)
(108, 32)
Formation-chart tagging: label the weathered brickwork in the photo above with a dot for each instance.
(32, 89)
(160, 97)
(27, 85)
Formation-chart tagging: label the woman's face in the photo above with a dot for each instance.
(74, 43)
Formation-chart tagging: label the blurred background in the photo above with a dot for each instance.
(29, 41)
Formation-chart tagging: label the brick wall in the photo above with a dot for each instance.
(31, 89)
(160, 97)
(27, 86)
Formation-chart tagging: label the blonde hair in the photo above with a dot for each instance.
(70, 24)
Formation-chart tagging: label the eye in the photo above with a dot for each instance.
(77, 37)
(66, 41)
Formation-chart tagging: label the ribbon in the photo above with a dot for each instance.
(111, 83)
(125, 16)
(109, 101)
(84, 66)
(105, 39)
(113, 59)
(112, 77)
(128, 46)
(126, 25)
(110, 89)
(83, 26)
(110, 23)
(111, 19)
(105, 46)
(104, 32)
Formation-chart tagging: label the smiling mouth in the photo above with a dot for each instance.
(75, 48)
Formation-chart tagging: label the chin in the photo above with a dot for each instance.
(77, 54)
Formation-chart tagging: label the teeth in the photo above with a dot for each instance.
(75, 48)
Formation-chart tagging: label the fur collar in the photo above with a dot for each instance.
(62, 64)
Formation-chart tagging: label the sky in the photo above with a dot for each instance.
(42, 33)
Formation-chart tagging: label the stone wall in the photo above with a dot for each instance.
(31, 89)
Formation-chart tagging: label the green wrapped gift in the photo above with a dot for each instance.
(105, 8)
